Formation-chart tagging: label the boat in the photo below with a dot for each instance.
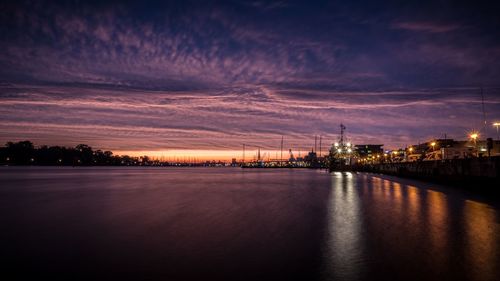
(341, 154)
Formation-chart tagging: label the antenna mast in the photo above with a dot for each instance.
(484, 112)
(281, 156)
(342, 128)
(320, 146)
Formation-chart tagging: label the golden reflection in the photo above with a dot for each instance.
(437, 223)
(386, 188)
(481, 229)
(397, 192)
(413, 204)
(397, 200)
(377, 182)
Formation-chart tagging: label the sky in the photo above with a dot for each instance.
(186, 78)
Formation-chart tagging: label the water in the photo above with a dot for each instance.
(241, 224)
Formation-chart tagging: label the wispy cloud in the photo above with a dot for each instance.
(203, 76)
(426, 26)
(224, 119)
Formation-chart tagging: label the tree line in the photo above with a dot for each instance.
(25, 153)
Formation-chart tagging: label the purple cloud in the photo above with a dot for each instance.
(216, 76)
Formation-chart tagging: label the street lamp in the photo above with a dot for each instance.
(474, 137)
(496, 124)
(433, 144)
(410, 150)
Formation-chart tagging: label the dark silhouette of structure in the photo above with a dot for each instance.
(25, 153)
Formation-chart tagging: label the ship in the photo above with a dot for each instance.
(341, 154)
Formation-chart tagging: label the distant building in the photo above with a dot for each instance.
(311, 159)
(368, 150)
(443, 149)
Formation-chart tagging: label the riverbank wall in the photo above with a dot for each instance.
(474, 173)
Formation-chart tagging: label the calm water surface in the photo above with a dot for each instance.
(237, 224)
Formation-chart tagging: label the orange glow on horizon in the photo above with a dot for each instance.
(187, 155)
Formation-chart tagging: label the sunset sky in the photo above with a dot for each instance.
(188, 78)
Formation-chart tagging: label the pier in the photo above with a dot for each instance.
(478, 173)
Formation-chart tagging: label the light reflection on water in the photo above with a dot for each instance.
(382, 229)
(238, 224)
(343, 242)
(482, 240)
(437, 218)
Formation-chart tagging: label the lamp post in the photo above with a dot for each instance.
(496, 124)
(433, 144)
(474, 136)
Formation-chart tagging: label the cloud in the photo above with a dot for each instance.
(426, 26)
(226, 118)
(203, 76)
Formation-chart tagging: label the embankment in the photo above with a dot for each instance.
(474, 173)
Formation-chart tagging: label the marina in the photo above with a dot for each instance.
(250, 140)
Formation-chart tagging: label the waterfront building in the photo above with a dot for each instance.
(368, 150)
(446, 149)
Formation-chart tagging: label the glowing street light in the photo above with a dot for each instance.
(474, 137)
(496, 124)
(410, 150)
(433, 144)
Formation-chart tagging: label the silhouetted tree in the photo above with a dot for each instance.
(25, 153)
(20, 153)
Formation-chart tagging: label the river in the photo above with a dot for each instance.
(102, 223)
